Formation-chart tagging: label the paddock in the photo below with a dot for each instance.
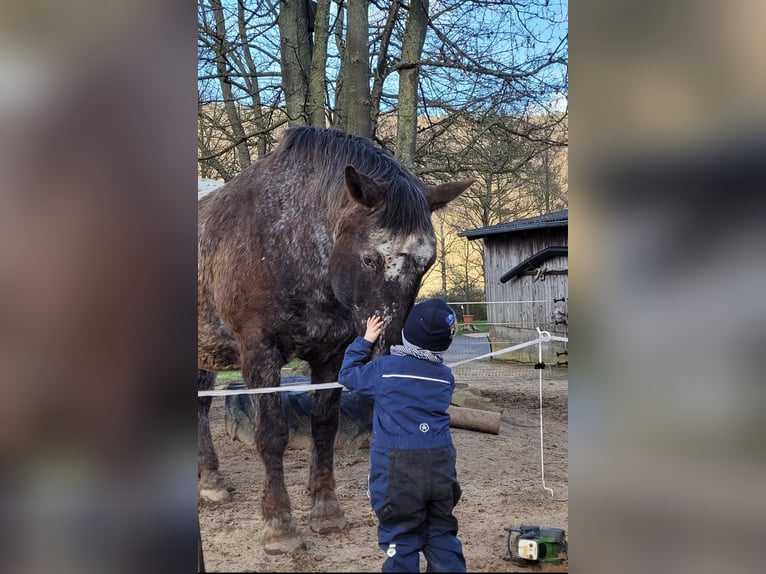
(501, 477)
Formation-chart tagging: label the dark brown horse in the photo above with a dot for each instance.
(294, 254)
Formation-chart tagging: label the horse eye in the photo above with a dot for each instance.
(367, 261)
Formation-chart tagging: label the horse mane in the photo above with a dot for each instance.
(406, 209)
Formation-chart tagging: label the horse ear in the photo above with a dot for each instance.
(440, 195)
(364, 189)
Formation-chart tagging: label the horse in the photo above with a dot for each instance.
(294, 254)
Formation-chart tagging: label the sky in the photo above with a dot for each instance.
(496, 30)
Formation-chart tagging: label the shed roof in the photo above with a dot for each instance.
(554, 219)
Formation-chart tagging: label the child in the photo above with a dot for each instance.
(413, 484)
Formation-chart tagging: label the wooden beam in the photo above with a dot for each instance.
(474, 419)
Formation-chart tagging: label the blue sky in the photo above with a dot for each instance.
(495, 29)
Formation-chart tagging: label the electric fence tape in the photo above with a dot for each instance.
(540, 360)
(543, 337)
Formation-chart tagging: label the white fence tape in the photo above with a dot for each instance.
(288, 387)
(544, 337)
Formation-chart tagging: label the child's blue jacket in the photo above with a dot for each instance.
(411, 397)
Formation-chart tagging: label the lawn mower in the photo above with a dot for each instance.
(536, 545)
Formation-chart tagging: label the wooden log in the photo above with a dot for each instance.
(474, 419)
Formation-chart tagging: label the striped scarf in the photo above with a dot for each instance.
(411, 350)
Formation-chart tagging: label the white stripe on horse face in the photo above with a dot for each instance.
(394, 251)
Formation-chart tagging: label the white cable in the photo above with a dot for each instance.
(287, 387)
(544, 335)
(453, 303)
(540, 363)
(299, 387)
(495, 353)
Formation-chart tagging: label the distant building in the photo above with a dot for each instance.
(526, 283)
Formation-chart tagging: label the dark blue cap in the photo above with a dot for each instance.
(430, 325)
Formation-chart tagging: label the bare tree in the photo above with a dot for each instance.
(409, 68)
(250, 78)
(317, 79)
(544, 182)
(237, 49)
(467, 58)
(222, 50)
(458, 88)
(356, 56)
(383, 67)
(295, 50)
(340, 114)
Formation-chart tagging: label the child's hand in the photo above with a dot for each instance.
(374, 328)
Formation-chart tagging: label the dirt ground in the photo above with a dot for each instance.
(500, 476)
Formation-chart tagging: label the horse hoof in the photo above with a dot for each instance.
(327, 516)
(284, 545)
(282, 540)
(328, 525)
(212, 488)
(215, 494)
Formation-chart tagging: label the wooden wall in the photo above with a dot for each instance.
(517, 307)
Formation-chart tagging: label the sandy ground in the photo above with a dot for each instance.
(500, 475)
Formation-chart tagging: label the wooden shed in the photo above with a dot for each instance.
(526, 283)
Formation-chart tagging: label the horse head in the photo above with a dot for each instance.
(384, 244)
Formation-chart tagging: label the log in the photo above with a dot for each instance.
(474, 419)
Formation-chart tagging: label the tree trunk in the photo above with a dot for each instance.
(295, 51)
(317, 82)
(412, 47)
(252, 82)
(339, 118)
(238, 132)
(381, 68)
(358, 78)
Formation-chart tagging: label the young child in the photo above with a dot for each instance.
(413, 484)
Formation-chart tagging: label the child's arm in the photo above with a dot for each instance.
(356, 374)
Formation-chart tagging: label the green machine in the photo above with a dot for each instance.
(534, 544)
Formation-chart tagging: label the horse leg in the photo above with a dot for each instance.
(261, 368)
(326, 513)
(211, 485)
